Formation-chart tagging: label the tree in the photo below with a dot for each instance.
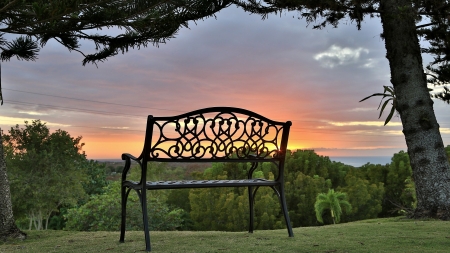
(365, 198)
(397, 179)
(301, 195)
(334, 201)
(96, 177)
(7, 222)
(46, 170)
(69, 21)
(431, 170)
(219, 208)
(32, 23)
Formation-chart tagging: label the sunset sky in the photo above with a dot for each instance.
(280, 68)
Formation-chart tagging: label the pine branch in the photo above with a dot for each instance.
(23, 48)
(425, 25)
(8, 5)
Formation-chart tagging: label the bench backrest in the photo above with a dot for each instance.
(215, 134)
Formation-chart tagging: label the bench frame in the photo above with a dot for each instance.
(229, 135)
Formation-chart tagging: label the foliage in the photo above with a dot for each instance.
(96, 177)
(365, 198)
(399, 189)
(228, 208)
(436, 33)
(301, 195)
(335, 202)
(366, 187)
(113, 167)
(140, 23)
(219, 208)
(44, 170)
(58, 220)
(102, 213)
(93, 184)
(308, 174)
(399, 184)
(388, 93)
(309, 163)
(179, 198)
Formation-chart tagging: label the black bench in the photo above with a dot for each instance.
(217, 134)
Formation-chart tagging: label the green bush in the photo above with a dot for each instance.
(102, 213)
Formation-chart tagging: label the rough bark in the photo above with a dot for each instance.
(8, 228)
(431, 170)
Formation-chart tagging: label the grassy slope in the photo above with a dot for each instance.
(377, 235)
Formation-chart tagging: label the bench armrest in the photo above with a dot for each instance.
(127, 158)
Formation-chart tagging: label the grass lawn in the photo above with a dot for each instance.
(376, 235)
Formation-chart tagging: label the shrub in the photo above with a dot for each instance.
(102, 213)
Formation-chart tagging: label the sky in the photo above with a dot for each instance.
(279, 67)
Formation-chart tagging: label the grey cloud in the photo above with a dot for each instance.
(336, 55)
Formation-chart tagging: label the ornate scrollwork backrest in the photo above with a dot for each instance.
(217, 133)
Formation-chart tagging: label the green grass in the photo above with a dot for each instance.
(377, 235)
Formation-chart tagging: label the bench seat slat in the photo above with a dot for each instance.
(155, 185)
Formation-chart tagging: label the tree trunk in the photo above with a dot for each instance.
(31, 223)
(332, 216)
(8, 228)
(431, 170)
(47, 219)
(39, 220)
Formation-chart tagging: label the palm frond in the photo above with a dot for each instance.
(388, 93)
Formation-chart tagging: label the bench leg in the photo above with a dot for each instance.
(124, 195)
(252, 213)
(285, 211)
(145, 219)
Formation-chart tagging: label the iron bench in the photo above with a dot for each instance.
(217, 134)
